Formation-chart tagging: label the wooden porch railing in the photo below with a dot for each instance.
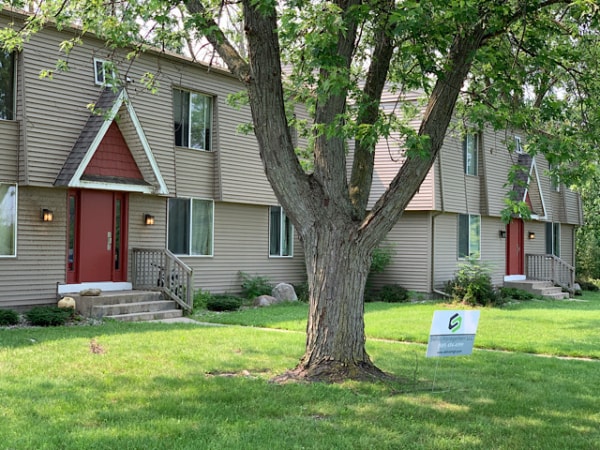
(159, 269)
(546, 267)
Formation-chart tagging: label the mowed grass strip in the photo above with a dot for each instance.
(179, 386)
(550, 327)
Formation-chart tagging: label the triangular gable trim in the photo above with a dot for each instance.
(76, 180)
(533, 173)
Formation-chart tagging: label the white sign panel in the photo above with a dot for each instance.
(452, 333)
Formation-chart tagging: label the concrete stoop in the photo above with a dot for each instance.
(543, 288)
(130, 306)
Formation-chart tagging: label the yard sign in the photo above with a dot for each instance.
(452, 333)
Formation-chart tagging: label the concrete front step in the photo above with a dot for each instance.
(127, 305)
(543, 288)
(145, 316)
(99, 311)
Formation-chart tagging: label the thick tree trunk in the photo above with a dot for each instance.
(337, 267)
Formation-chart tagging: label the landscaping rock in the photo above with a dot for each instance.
(66, 302)
(284, 293)
(91, 292)
(264, 300)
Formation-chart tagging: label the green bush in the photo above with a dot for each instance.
(515, 294)
(472, 285)
(302, 291)
(588, 286)
(254, 286)
(8, 317)
(201, 299)
(46, 316)
(223, 302)
(393, 293)
(382, 257)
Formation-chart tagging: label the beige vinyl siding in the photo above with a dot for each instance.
(461, 192)
(573, 207)
(241, 243)
(496, 163)
(195, 173)
(410, 240)
(535, 246)
(9, 148)
(445, 230)
(493, 248)
(30, 278)
(567, 244)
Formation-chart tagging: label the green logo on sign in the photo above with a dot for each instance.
(455, 323)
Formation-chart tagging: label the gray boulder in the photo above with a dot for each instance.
(264, 300)
(284, 292)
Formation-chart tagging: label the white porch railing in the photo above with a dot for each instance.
(546, 267)
(159, 269)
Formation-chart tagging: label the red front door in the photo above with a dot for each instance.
(97, 236)
(514, 247)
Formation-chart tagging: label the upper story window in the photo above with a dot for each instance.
(470, 153)
(190, 226)
(104, 72)
(281, 233)
(7, 85)
(469, 236)
(192, 115)
(519, 145)
(8, 219)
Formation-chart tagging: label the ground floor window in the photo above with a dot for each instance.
(469, 236)
(8, 219)
(553, 238)
(190, 226)
(281, 233)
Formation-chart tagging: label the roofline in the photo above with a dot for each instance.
(24, 15)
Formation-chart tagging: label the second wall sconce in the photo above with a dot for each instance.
(148, 219)
(47, 215)
(531, 235)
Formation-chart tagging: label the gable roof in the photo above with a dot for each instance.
(117, 109)
(528, 187)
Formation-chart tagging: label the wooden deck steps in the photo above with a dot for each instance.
(128, 306)
(543, 288)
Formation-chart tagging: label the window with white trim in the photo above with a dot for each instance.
(470, 153)
(104, 72)
(519, 145)
(191, 226)
(553, 238)
(192, 116)
(281, 233)
(469, 236)
(7, 85)
(8, 219)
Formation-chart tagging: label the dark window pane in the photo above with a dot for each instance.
(7, 85)
(463, 236)
(179, 226)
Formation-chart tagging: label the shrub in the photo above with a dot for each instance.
(382, 257)
(302, 291)
(254, 286)
(46, 316)
(515, 294)
(588, 286)
(472, 284)
(201, 299)
(223, 302)
(8, 317)
(393, 293)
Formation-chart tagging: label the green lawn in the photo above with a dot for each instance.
(165, 386)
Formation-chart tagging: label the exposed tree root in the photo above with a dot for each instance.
(333, 372)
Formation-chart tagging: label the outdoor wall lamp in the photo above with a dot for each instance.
(148, 219)
(47, 215)
(502, 234)
(531, 235)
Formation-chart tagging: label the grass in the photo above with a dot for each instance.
(166, 386)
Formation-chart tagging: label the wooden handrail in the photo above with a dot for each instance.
(547, 267)
(159, 269)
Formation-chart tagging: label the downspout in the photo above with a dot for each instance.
(433, 216)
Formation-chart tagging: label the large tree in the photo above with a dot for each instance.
(521, 63)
